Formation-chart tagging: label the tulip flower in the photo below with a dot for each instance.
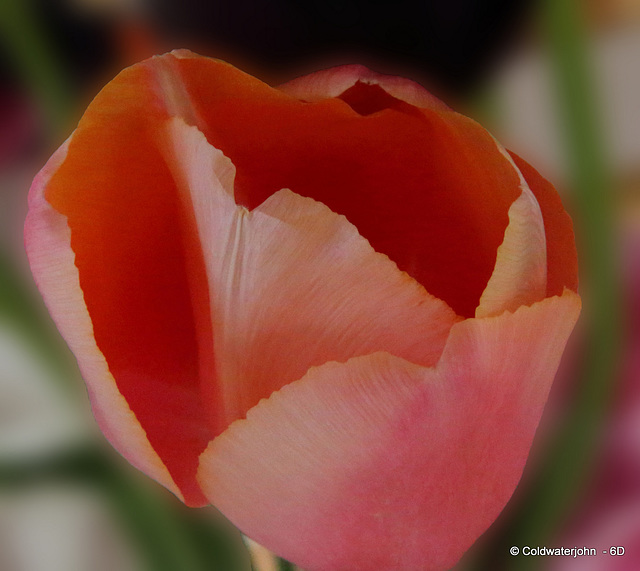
(333, 310)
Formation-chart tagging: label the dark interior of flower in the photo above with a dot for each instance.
(369, 98)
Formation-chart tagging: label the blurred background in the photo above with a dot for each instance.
(557, 81)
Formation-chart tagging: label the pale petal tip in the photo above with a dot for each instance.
(520, 272)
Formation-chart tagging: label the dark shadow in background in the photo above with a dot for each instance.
(450, 44)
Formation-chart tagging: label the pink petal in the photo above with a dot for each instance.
(382, 464)
(48, 245)
(335, 81)
(292, 284)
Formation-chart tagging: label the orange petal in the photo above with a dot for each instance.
(292, 284)
(140, 269)
(382, 464)
(48, 245)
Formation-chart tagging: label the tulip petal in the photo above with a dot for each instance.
(335, 81)
(48, 245)
(562, 258)
(561, 250)
(141, 273)
(292, 284)
(520, 274)
(378, 463)
(427, 187)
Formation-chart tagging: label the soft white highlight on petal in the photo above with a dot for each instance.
(293, 284)
(173, 90)
(520, 273)
(48, 245)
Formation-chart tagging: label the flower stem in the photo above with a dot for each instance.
(284, 565)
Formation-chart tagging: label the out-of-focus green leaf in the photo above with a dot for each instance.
(284, 565)
(22, 309)
(34, 57)
(169, 536)
(218, 542)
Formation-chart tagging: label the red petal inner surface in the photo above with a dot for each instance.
(429, 189)
(562, 258)
(141, 270)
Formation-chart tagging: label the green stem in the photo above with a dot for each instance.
(164, 542)
(284, 565)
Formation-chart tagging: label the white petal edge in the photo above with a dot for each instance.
(520, 273)
(293, 278)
